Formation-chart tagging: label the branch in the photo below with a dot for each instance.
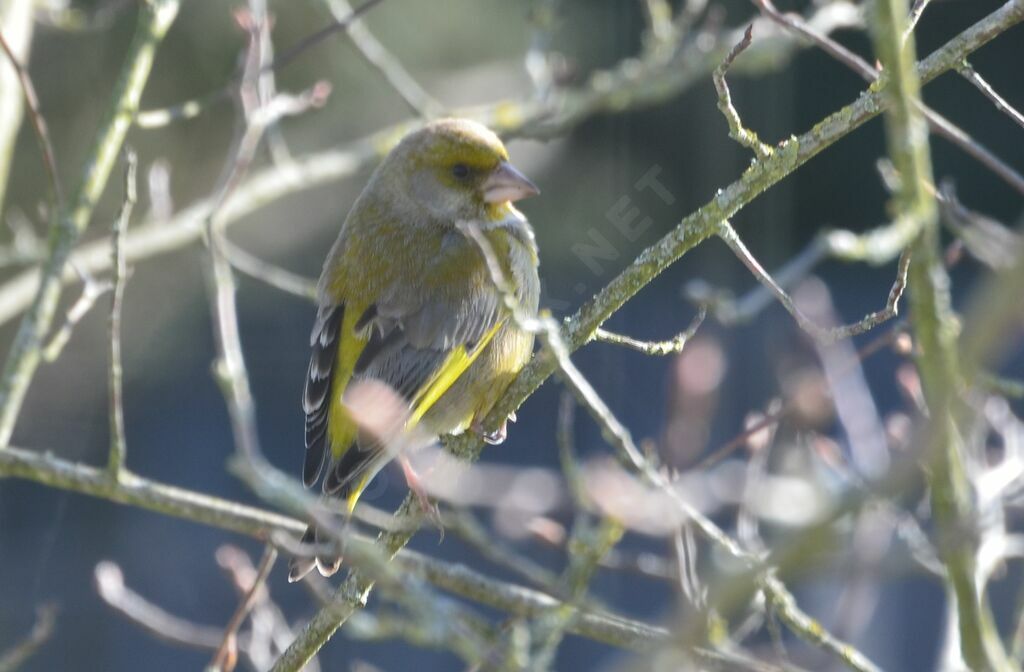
(155, 18)
(936, 331)
(115, 462)
(700, 225)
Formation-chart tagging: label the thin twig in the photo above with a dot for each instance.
(38, 124)
(118, 446)
(13, 658)
(819, 333)
(383, 61)
(227, 653)
(190, 109)
(916, 11)
(655, 348)
(293, 52)
(110, 586)
(971, 75)
(737, 131)
(92, 290)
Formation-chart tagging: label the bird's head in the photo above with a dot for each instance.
(458, 169)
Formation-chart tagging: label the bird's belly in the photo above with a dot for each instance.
(477, 390)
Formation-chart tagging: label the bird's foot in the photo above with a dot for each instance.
(419, 490)
(498, 436)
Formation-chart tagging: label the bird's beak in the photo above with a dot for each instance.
(506, 183)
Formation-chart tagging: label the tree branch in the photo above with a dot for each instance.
(936, 331)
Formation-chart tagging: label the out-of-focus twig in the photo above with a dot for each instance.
(384, 62)
(92, 290)
(14, 657)
(164, 626)
(227, 653)
(38, 124)
(17, 26)
(935, 329)
(916, 11)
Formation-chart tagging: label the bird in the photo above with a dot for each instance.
(406, 299)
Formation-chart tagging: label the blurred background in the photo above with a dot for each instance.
(467, 53)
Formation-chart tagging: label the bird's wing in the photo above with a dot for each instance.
(417, 342)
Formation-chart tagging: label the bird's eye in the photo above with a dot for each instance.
(460, 171)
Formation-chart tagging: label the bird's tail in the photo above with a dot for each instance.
(299, 567)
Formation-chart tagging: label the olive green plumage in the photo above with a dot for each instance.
(407, 299)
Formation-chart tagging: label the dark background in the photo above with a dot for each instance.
(464, 52)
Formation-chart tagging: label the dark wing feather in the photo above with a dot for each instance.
(316, 397)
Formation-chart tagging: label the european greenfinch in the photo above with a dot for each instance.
(406, 299)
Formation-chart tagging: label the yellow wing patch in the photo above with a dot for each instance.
(341, 427)
(454, 366)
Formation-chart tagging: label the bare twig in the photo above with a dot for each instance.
(38, 124)
(118, 447)
(227, 653)
(337, 26)
(268, 273)
(190, 109)
(13, 658)
(819, 333)
(384, 62)
(916, 11)
(156, 621)
(655, 348)
(971, 75)
(737, 131)
(92, 290)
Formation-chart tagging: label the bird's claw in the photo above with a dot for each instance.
(496, 437)
(416, 487)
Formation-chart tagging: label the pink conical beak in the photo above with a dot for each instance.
(506, 183)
